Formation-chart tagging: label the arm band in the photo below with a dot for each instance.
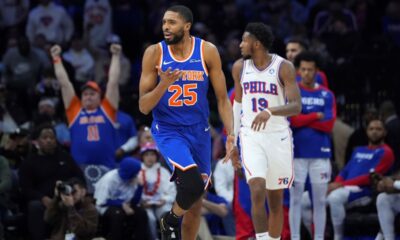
(237, 111)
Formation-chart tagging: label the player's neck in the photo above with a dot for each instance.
(183, 48)
(262, 59)
(310, 85)
(375, 145)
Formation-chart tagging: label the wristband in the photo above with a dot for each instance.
(396, 184)
(268, 111)
(56, 60)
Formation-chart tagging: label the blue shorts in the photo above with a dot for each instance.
(184, 147)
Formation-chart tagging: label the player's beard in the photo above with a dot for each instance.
(376, 141)
(245, 57)
(176, 39)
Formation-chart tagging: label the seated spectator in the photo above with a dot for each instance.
(23, 66)
(92, 118)
(79, 57)
(38, 176)
(127, 139)
(158, 192)
(103, 63)
(144, 136)
(48, 87)
(388, 204)
(72, 213)
(50, 20)
(223, 183)
(5, 186)
(47, 114)
(97, 22)
(214, 209)
(15, 147)
(352, 187)
(117, 196)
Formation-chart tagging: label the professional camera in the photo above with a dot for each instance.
(64, 188)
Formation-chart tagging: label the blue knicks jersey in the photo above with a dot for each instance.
(185, 102)
(93, 135)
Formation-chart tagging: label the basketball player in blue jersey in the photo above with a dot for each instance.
(266, 93)
(174, 83)
(91, 119)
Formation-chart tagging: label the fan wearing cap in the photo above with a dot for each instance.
(158, 192)
(119, 192)
(91, 119)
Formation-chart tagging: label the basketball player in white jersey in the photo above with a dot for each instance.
(266, 94)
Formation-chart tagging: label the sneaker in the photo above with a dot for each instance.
(168, 232)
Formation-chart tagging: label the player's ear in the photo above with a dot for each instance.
(188, 25)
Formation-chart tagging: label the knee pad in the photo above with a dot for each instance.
(190, 187)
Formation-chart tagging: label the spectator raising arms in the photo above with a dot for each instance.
(91, 119)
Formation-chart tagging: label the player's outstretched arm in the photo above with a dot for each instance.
(67, 90)
(150, 92)
(217, 78)
(112, 90)
(287, 74)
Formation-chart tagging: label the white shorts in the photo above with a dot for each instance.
(319, 170)
(269, 156)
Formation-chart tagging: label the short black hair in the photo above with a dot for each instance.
(38, 130)
(262, 32)
(299, 40)
(184, 11)
(307, 56)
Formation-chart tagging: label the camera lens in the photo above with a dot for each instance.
(64, 189)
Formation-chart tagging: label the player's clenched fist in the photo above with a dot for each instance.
(115, 49)
(55, 51)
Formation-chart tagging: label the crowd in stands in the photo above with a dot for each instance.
(77, 158)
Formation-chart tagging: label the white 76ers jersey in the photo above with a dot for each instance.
(262, 89)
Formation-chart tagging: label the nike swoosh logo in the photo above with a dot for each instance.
(284, 138)
(194, 60)
(249, 72)
(206, 129)
(166, 63)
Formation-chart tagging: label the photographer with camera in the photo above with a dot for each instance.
(38, 175)
(71, 213)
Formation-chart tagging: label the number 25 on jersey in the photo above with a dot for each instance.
(187, 91)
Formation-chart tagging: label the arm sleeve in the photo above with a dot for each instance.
(302, 120)
(101, 195)
(138, 195)
(237, 112)
(131, 144)
(326, 124)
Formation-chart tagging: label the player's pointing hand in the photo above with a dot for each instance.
(169, 76)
